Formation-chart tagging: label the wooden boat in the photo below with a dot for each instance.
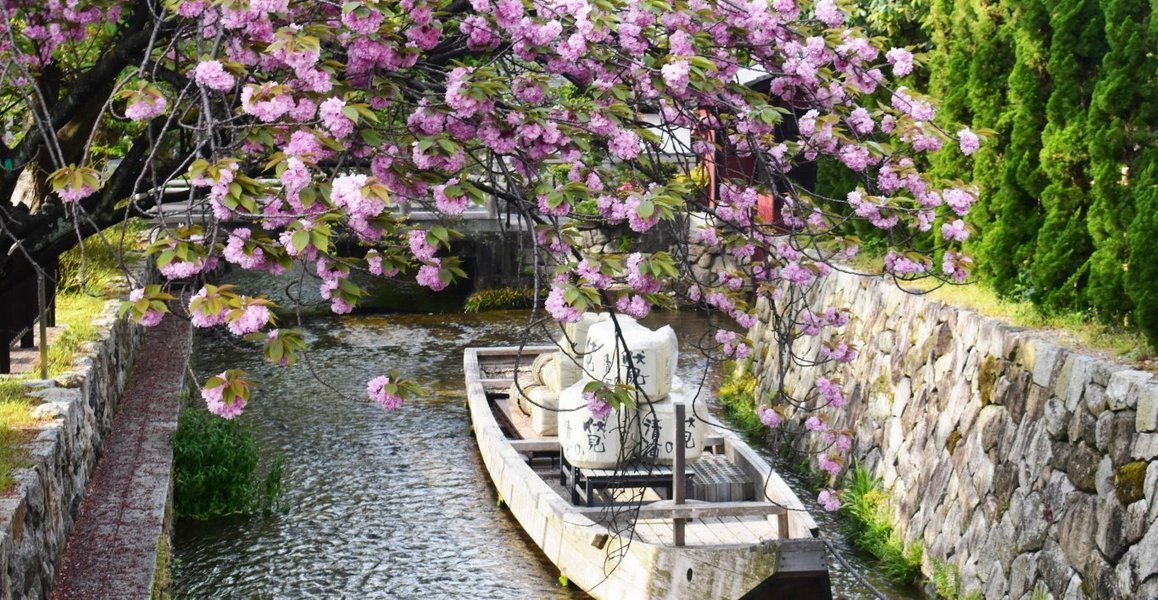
(762, 546)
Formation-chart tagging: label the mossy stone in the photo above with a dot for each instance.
(954, 439)
(1129, 480)
(987, 379)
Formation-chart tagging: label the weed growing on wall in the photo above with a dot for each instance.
(871, 528)
(499, 299)
(737, 395)
(217, 469)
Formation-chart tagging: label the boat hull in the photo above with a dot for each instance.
(611, 566)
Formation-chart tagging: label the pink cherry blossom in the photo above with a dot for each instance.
(828, 500)
(968, 141)
(212, 75)
(146, 107)
(600, 408)
(376, 390)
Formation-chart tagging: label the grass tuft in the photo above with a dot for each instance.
(16, 428)
(870, 528)
(737, 394)
(499, 299)
(97, 266)
(1084, 329)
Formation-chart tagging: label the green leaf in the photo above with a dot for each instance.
(371, 137)
(300, 239)
(448, 146)
(645, 209)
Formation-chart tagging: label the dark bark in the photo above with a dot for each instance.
(44, 235)
(66, 109)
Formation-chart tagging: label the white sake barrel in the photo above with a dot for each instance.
(544, 406)
(594, 443)
(550, 371)
(528, 391)
(657, 421)
(653, 356)
(539, 365)
(573, 344)
(524, 381)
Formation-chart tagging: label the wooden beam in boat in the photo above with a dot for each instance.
(665, 509)
(679, 481)
(512, 351)
(539, 445)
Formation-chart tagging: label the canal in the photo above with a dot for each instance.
(390, 504)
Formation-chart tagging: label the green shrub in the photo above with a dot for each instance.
(216, 465)
(871, 528)
(499, 299)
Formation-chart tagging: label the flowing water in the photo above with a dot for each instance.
(388, 504)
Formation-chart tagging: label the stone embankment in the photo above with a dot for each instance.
(1019, 462)
(37, 517)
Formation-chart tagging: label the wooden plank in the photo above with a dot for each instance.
(758, 529)
(703, 533)
(678, 467)
(546, 444)
(735, 530)
(664, 509)
(629, 471)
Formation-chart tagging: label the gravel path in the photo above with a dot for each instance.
(112, 551)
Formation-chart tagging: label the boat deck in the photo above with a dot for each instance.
(542, 454)
(745, 533)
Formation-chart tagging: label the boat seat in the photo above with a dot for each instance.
(583, 483)
(720, 480)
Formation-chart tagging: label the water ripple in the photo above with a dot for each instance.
(378, 505)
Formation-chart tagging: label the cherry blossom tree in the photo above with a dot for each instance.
(303, 126)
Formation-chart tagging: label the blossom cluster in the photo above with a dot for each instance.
(314, 128)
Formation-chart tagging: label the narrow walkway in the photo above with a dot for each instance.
(113, 548)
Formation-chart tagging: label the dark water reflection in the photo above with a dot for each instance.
(382, 505)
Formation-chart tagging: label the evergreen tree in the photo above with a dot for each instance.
(951, 35)
(1007, 246)
(1060, 261)
(1141, 280)
(1119, 111)
(989, 70)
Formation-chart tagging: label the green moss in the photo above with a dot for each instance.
(1129, 480)
(987, 379)
(883, 386)
(499, 299)
(163, 576)
(954, 439)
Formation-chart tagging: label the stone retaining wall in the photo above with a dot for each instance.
(37, 517)
(1019, 462)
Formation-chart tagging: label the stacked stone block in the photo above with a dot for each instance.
(38, 515)
(1019, 461)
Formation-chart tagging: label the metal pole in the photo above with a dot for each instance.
(677, 473)
(43, 322)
